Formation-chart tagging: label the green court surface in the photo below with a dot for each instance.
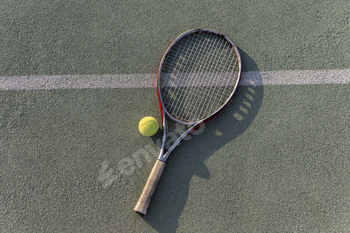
(72, 159)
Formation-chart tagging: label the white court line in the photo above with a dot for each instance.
(289, 77)
(297, 77)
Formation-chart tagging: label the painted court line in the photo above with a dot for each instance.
(289, 77)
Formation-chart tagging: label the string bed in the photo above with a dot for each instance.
(198, 76)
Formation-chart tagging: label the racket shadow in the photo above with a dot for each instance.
(188, 159)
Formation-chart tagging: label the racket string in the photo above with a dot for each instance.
(191, 76)
(216, 102)
(200, 97)
(213, 88)
(191, 95)
(214, 91)
(195, 94)
(198, 111)
(184, 91)
(171, 65)
(235, 65)
(209, 60)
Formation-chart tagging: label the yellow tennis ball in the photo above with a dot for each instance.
(148, 126)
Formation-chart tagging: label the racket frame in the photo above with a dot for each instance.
(145, 198)
(194, 125)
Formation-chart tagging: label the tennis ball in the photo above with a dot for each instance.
(148, 126)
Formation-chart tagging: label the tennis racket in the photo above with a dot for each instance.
(197, 77)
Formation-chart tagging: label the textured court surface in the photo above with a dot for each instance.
(76, 77)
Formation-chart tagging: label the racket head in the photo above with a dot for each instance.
(198, 76)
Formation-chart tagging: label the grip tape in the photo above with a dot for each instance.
(145, 198)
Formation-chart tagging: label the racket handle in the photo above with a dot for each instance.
(145, 198)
